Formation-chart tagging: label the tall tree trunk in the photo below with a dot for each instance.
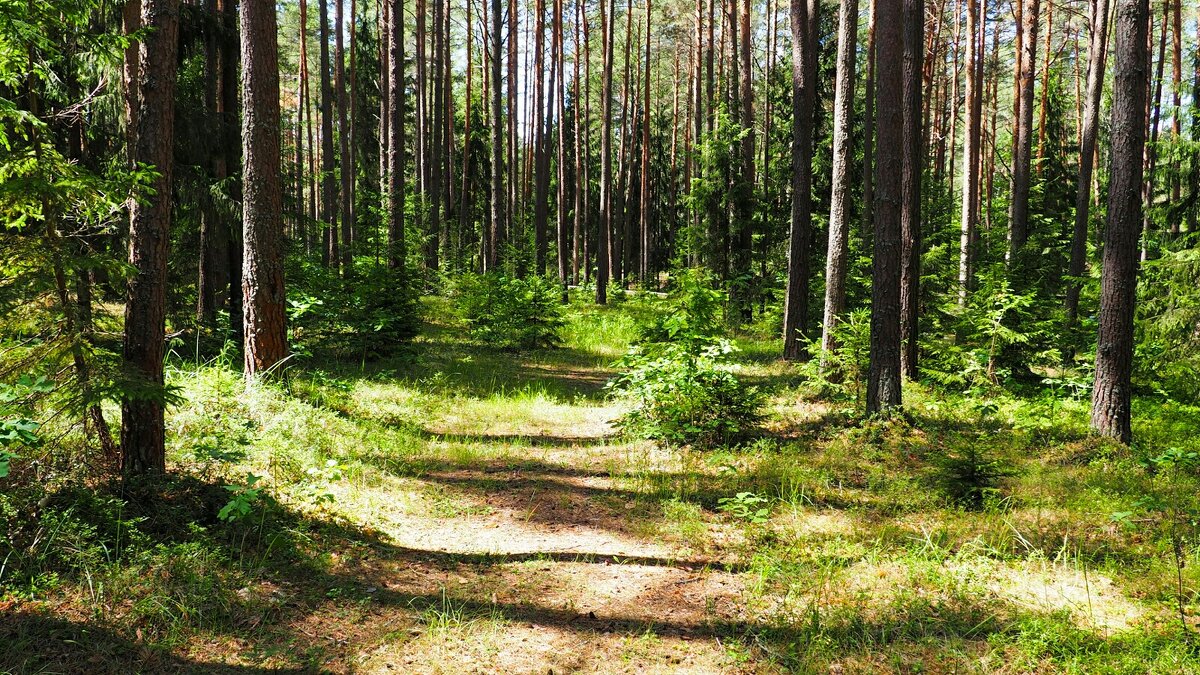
(969, 218)
(1097, 53)
(395, 145)
(745, 202)
(343, 133)
(263, 298)
(911, 169)
(439, 149)
(796, 298)
(142, 425)
(1152, 120)
(883, 380)
(581, 181)
(868, 167)
(1018, 212)
(329, 253)
(644, 200)
(499, 191)
(836, 261)
(541, 212)
(1111, 395)
(607, 8)
(558, 59)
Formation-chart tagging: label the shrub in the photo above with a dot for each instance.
(843, 371)
(691, 313)
(686, 396)
(376, 312)
(509, 312)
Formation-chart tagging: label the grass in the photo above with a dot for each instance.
(457, 509)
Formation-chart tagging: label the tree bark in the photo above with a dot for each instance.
(1097, 53)
(1111, 395)
(142, 425)
(1018, 212)
(969, 215)
(883, 380)
(395, 144)
(836, 261)
(607, 8)
(912, 167)
(329, 253)
(796, 298)
(343, 133)
(263, 298)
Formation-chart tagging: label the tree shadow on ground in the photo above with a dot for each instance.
(377, 592)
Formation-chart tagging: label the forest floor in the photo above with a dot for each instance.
(464, 511)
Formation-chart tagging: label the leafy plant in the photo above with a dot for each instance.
(686, 397)
(1174, 507)
(842, 370)
(510, 312)
(746, 506)
(690, 314)
(245, 496)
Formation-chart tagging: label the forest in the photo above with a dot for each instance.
(599, 336)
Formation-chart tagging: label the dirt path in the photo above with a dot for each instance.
(544, 559)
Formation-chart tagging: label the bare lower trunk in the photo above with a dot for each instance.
(883, 381)
(840, 200)
(1111, 396)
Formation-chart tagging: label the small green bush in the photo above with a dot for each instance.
(686, 397)
(509, 312)
(375, 314)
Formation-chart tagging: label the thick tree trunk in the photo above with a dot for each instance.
(263, 298)
(883, 380)
(836, 262)
(1111, 395)
(142, 425)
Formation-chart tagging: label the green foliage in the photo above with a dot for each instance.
(686, 396)
(372, 314)
(747, 506)
(510, 312)
(692, 312)
(971, 476)
(996, 330)
(845, 366)
(680, 376)
(244, 497)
